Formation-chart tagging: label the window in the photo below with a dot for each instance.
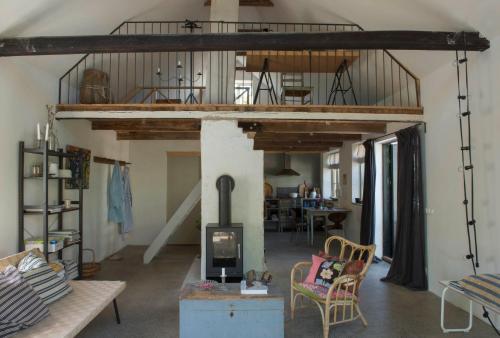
(358, 172)
(333, 164)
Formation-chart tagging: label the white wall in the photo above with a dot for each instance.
(98, 233)
(25, 89)
(149, 185)
(446, 230)
(226, 150)
(307, 165)
(23, 93)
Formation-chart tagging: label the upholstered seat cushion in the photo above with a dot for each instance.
(316, 291)
(71, 314)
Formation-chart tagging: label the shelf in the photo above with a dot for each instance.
(39, 151)
(41, 177)
(72, 243)
(52, 212)
(66, 246)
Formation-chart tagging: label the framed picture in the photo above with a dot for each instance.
(78, 169)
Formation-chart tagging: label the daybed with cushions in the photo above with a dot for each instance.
(333, 282)
(79, 302)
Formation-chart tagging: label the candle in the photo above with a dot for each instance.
(47, 132)
(223, 272)
(38, 136)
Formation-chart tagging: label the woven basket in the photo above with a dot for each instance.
(90, 269)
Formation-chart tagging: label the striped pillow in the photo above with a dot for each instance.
(20, 306)
(49, 286)
(486, 287)
(30, 261)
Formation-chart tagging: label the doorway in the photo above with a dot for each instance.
(389, 204)
(183, 173)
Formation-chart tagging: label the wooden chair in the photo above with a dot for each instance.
(340, 303)
(337, 226)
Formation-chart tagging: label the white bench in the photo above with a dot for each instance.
(69, 315)
(448, 286)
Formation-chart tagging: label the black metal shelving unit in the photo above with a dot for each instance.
(45, 212)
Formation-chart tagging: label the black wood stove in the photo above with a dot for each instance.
(224, 246)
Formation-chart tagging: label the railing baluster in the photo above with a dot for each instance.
(225, 80)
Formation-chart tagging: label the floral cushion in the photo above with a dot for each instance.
(319, 292)
(327, 272)
(324, 271)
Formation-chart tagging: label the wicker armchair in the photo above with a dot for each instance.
(340, 303)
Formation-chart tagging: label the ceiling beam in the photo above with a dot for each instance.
(254, 3)
(147, 124)
(297, 143)
(314, 137)
(313, 126)
(244, 108)
(155, 135)
(406, 40)
(278, 148)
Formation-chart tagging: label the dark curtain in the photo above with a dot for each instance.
(408, 263)
(368, 212)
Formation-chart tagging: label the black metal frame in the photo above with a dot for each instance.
(117, 313)
(265, 75)
(338, 87)
(46, 154)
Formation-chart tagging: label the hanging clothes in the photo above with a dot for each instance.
(128, 221)
(115, 196)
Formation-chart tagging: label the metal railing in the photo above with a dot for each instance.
(342, 77)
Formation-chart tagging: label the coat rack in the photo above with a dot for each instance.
(105, 160)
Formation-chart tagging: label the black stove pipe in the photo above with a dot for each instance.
(225, 184)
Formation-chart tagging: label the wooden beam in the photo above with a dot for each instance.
(293, 148)
(242, 108)
(313, 126)
(258, 144)
(105, 160)
(155, 135)
(147, 124)
(254, 3)
(406, 40)
(314, 137)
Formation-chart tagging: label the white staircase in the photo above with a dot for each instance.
(173, 223)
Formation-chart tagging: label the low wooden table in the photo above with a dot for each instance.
(221, 314)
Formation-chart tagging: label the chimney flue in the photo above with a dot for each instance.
(225, 184)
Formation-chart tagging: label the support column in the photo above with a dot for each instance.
(225, 149)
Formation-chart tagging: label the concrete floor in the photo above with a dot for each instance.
(149, 305)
